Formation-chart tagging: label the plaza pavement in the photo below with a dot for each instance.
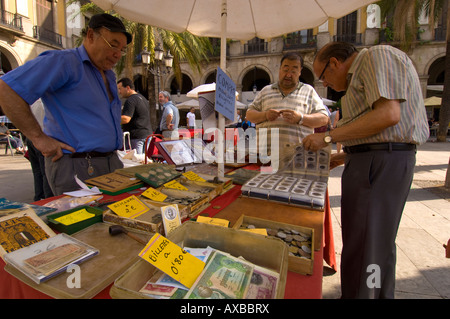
(422, 269)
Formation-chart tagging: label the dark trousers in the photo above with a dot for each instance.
(375, 186)
(61, 174)
(42, 189)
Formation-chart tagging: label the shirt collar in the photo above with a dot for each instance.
(276, 86)
(357, 61)
(83, 53)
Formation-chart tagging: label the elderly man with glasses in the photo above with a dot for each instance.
(383, 120)
(82, 108)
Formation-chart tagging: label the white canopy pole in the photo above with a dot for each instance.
(223, 65)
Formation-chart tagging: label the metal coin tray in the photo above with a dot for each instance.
(303, 182)
(310, 162)
(288, 189)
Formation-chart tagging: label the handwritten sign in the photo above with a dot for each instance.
(171, 218)
(190, 175)
(155, 195)
(130, 207)
(175, 185)
(172, 260)
(75, 217)
(213, 221)
(225, 95)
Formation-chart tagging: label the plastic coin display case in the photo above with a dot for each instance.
(302, 182)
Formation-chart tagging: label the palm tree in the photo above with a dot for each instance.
(183, 46)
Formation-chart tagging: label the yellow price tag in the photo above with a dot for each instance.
(213, 221)
(175, 185)
(74, 217)
(130, 207)
(260, 231)
(190, 175)
(153, 194)
(172, 260)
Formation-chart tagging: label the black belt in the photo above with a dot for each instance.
(90, 154)
(379, 147)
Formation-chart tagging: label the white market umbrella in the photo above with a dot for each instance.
(204, 88)
(232, 19)
(433, 101)
(246, 19)
(209, 87)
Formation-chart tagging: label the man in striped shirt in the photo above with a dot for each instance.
(383, 119)
(292, 107)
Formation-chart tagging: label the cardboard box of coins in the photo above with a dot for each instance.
(265, 252)
(297, 238)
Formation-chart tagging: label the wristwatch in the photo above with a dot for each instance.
(301, 119)
(327, 139)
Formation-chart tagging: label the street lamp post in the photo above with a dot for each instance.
(159, 56)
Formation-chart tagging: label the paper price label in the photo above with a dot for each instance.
(175, 185)
(172, 260)
(74, 217)
(130, 207)
(190, 175)
(153, 194)
(260, 231)
(213, 221)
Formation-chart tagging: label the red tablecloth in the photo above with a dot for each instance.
(297, 286)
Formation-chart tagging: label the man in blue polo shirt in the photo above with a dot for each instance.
(82, 108)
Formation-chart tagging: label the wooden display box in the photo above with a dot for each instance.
(189, 203)
(296, 264)
(277, 212)
(149, 222)
(263, 251)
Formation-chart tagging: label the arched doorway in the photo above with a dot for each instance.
(435, 84)
(186, 85)
(255, 78)
(307, 76)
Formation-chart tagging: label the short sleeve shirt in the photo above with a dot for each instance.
(78, 110)
(303, 99)
(136, 107)
(385, 72)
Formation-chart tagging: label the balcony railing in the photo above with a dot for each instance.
(300, 41)
(255, 46)
(11, 20)
(440, 34)
(355, 38)
(47, 36)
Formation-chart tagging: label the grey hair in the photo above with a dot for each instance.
(166, 94)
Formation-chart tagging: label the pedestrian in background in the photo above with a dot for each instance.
(135, 115)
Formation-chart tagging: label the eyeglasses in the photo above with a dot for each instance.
(122, 52)
(323, 71)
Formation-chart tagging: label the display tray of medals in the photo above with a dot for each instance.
(303, 181)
